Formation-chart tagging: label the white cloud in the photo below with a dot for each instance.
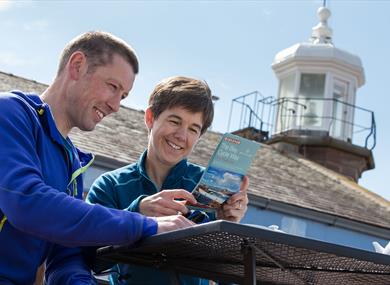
(38, 25)
(230, 178)
(12, 59)
(8, 4)
(223, 85)
(266, 12)
(5, 4)
(229, 181)
(8, 24)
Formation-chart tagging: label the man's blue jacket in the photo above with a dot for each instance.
(42, 216)
(124, 188)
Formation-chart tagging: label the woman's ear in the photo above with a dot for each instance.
(149, 119)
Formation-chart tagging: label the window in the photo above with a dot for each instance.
(339, 120)
(286, 111)
(294, 226)
(311, 100)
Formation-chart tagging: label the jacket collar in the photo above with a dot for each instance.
(44, 113)
(47, 120)
(175, 174)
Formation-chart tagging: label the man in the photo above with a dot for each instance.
(41, 169)
(180, 111)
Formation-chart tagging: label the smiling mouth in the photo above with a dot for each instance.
(174, 146)
(99, 113)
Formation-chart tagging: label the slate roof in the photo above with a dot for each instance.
(10, 82)
(275, 176)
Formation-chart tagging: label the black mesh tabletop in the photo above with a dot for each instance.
(231, 252)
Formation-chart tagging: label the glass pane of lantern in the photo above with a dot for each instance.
(286, 110)
(340, 110)
(311, 99)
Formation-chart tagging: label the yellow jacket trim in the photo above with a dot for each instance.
(77, 173)
(2, 222)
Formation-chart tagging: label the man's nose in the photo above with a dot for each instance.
(114, 103)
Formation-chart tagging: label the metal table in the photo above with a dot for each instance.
(244, 254)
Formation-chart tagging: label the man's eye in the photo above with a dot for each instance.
(113, 86)
(174, 122)
(124, 96)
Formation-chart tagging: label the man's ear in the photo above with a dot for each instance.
(77, 65)
(149, 118)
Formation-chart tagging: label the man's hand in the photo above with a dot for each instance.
(171, 223)
(164, 204)
(236, 206)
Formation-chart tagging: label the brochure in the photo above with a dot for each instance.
(225, 171)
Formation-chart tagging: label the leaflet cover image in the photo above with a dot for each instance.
(223, 175)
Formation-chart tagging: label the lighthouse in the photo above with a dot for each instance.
(315, 109)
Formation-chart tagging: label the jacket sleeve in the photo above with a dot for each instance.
(134, 206)
(102, 192)
(38, 209)
(65, 266)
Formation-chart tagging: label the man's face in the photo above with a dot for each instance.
(173, 134)
(97, 94)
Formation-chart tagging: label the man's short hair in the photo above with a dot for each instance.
(191, 94)
(99, 48)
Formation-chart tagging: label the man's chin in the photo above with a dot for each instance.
(87, 128)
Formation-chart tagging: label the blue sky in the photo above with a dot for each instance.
(230, 44)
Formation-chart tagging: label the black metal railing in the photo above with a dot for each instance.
(338, 119)
(254, 115)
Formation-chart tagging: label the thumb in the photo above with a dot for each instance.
(181, 194)
(244, 183)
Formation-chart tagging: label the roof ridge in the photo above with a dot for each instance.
(23, 78)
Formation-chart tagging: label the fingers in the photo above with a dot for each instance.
(239, 196)
(235, 209)
(232, 215)
(170, 223)
(239, 201)
(165, 207)
(164, 203)
(179, 194)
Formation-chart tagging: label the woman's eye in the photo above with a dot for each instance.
(194, 131)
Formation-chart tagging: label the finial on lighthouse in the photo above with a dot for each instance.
(321, 32)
